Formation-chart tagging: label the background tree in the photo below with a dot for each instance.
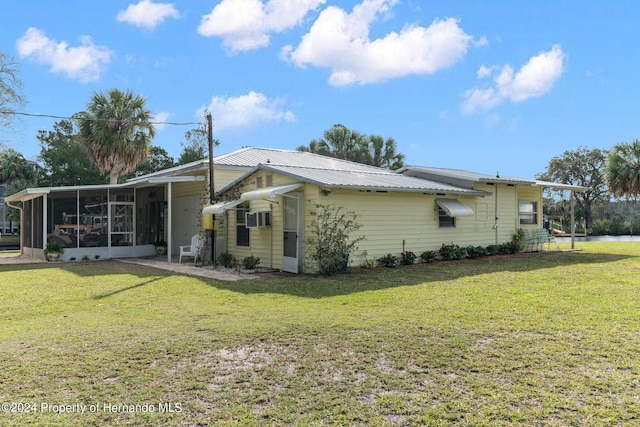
(116, 131)
(158, 159)
(196, 146)
(10, 91)
(65, 161)
(581, 167)
(18, 174)
(343, 143)
(14, 167)
(623, 170)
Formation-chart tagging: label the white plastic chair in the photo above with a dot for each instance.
(192, 250)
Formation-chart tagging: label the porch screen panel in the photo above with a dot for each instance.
(37, 223)
(94, 218)
(27, 211)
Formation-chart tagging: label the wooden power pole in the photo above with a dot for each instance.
(212, 197)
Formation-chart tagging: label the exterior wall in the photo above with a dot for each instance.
(531, 194)
(391, 221)
(264, 243)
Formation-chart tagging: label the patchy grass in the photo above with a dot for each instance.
(533, 339)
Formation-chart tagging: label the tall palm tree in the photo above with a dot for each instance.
(116, 131)
(623, 170)
(383, 153)
(14, 166)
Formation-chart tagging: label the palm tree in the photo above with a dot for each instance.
(116, 131)
(14, 166)
(623, 170)
(383, 153)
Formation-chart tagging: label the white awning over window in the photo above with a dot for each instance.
(454, 208)
(220, 207)
(269, 192)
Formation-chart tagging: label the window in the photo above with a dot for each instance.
(242, 232)
(444, 220)
(269, 179)
(528, 212)
(259, 183)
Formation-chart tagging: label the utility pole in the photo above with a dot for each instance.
(212, 197)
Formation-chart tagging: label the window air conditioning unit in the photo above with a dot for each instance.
(258, 219)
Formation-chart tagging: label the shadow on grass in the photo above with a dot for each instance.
(362, 279)
(89, 268)
(128, 288)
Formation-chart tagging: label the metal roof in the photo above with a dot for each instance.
(370, 179)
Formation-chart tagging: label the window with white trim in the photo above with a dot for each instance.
(528, 212)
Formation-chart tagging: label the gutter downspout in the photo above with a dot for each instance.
(495, 226)
(169, 222)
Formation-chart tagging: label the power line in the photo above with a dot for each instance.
(51, 116)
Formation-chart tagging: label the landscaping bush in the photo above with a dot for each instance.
(332, 242)
(517, 241)
(428, 256)
(493, 249)
(476, 251)
(250, 262)
(407, 258)
(451, 252)
(389, 260)
(226, 259)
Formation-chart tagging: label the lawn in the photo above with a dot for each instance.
(535, 339)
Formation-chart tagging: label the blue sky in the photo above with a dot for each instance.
(479, 85)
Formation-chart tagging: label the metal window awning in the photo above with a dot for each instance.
(220, 207)
(269, 192)
(454, 208)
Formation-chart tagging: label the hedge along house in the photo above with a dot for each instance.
(269, 212)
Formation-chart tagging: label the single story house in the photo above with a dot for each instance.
(267, 204)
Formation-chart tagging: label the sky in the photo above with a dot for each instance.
(482, 85)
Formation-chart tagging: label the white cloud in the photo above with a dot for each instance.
(246, 24)
(246, 111)
(340, 41)
(159, 119)
(147, 14)
(535, 78)
(84, 63)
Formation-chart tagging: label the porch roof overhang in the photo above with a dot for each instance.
(269, 192)
(454, 208)
(559, 186)
(220, 207)
(32, 193)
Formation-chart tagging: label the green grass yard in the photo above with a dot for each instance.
(536, 339)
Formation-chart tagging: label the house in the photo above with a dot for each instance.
(269, 211)
(267, 202)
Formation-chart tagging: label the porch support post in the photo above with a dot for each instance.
(44, 222)
(573, 222)
(169, 222)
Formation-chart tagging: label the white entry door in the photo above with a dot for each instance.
(291, 232)
(186, 217)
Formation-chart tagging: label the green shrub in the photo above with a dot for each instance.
(250, 262)
(389, 260)
(226, 259)
(428, 256)
(518, 241)
(450, 252)
(54, 247)
(493, 249)
(407, 258)
(476, 251)
(333, 240)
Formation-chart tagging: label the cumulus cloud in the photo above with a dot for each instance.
(246, 111)
(147, 14)
(340, 41)
(246, 24)
(535, 78)
(84, 63)
(159, 120)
